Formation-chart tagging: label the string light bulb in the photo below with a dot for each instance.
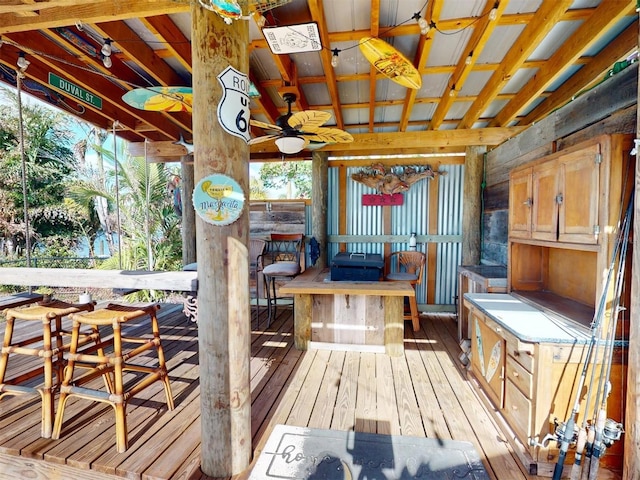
(493, 14)
(22, 62)
(335, 59)
(452, 92)
(422, 23)
(106, 61)
(467, 61)
(106, 48)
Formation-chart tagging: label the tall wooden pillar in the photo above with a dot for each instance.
(223, 274)
(632, 415)
(471, 202)
(188, 213)
(319, 191)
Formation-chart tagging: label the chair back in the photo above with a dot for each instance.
(285, 247)
(405, 265)
(256, 251)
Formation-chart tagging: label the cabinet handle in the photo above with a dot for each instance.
(528, 202)
(559, 199)
(516, 374)
(498, 329)
(514, 407)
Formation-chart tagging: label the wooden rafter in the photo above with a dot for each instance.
(604, 16)
(375, 29)
(57, 60)
(89, 11)
(317, 14)
(173, 40)
(547, 16)
(481, 33)
(596, 68)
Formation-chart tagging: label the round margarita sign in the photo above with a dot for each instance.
(218, 199)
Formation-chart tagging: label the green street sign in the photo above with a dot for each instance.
(75, 91)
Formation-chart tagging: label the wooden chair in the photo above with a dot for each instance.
(256, 254)
(115, 363)
(407, 266)
(283, 254)
(47, 347)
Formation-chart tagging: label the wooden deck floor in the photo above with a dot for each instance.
(423, 393)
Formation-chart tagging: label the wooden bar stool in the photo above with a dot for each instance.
(39, 346)
(115, 363)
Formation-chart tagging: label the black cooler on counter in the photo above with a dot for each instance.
(357, 267)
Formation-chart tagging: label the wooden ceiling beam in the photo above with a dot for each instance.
(57, 60)
(22, 7)
(38, 72)
(375, 28)
(119, 72)
(454, 24)
(606, 15)
(545, 19)
(595, 70)
(88, 11)
(414, 141)
(317, 14)
(481, 33)
(422, 54)
(175, 42)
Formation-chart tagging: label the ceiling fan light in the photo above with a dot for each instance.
(290, 145)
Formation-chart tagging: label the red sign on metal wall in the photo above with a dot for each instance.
(377, 200)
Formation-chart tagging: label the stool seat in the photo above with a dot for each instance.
(50, 356)
(115, 363)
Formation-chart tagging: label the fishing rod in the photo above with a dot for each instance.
(566, 432)
(608, 431)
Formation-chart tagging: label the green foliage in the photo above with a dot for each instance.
(277, 175)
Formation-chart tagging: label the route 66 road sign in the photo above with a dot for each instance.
(233, 109)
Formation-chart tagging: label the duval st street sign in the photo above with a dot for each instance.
(75, 91)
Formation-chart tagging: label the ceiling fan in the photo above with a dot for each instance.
(294, 132)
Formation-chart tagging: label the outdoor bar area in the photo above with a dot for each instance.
(347, 240)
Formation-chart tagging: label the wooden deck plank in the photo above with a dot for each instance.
(322, 415)
(366, 413)
(423, 392)
(388, 421)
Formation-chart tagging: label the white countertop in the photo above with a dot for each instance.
(527, 322)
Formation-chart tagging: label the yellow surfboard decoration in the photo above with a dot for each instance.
(390, 62)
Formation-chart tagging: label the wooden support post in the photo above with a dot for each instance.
(319, 191)
(631, 437)
(188, 214)
(223, 273)
(472, 201)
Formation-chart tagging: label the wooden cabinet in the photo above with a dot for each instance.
(557, 198)
(487, 356)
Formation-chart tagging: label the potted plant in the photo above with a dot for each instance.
(46, 292)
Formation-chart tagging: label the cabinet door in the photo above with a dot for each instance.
(544, 211)
(580, 191)
(520, 204)
(488, 358)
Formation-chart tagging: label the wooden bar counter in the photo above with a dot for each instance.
(363, 316)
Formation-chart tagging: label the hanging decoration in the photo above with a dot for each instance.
(218, 199)
(229, 10)
(300, 38)
(393, 180)
(390, 62)
(160, 99)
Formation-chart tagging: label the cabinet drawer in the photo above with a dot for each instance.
(519, 376)
(517, 410)
(522, 352)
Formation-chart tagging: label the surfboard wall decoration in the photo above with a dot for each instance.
(390, 62)
(160, 99)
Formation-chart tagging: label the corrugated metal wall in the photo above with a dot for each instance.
(412, 216)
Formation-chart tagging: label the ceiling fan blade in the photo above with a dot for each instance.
(262, 139)
(330, 135)
(308, 120)
(264, 126)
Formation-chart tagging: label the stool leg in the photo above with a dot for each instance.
(161, 362)
(4, 358)
(66, 382)
(122, 442)
(46, 392)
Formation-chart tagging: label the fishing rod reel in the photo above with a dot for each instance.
(557, 435)
(611, 432)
